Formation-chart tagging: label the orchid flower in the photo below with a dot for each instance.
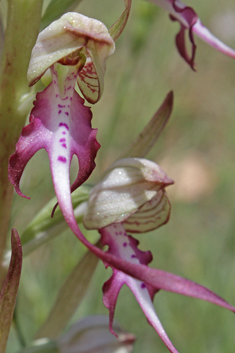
(131, 198)
(189, 20)
(75, 49)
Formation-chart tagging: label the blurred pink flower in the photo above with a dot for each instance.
(190, 22)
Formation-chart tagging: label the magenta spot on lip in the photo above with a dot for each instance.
(61, 106)
(64, 99)
(62, 140)
(64, 132)
(69, 87)
(116, 233)
(133, 256)
(125, 245)
(56, 95)
(62, 159)
(60, 111)
(68, 106)
(64, 145)
(65, 125)
(143, 285)
(67, 113)
(55, 81)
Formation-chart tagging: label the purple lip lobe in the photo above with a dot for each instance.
(62, 159)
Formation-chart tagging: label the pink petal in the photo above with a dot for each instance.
(61, 124)
(125, 247)
(189, 20)
(157, 279)
(204, 33)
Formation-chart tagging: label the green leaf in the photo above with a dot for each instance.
(70, 296)
(9, 290)
(117, 28)
(56, 9)
(149, 135)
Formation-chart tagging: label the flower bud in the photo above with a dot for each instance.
(127, 186)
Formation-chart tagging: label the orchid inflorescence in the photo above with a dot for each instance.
(130, 196)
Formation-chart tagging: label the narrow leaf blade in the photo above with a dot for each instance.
(56, 9)
(117, 28)
(149, 135)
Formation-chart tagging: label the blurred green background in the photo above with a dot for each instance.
(197, 150)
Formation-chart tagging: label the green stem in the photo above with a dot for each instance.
(23, 23)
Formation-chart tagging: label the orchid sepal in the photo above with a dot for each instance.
(73, 37)
(126, 186)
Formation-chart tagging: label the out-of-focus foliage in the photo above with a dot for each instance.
(196, 149)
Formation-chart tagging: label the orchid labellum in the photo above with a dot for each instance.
(75, 49)
(131, 198)
(190, 22)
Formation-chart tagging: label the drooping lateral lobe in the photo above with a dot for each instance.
(123, 246)
(189, 20)
(60, 123)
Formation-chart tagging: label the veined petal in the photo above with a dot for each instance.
(127, 185)
(152, 215)
(125, 247)
(80, 36)
(61, 124)
(189, 20)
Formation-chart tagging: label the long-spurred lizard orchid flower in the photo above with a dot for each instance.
(75, 48)
(189, 20)
(131, 198)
